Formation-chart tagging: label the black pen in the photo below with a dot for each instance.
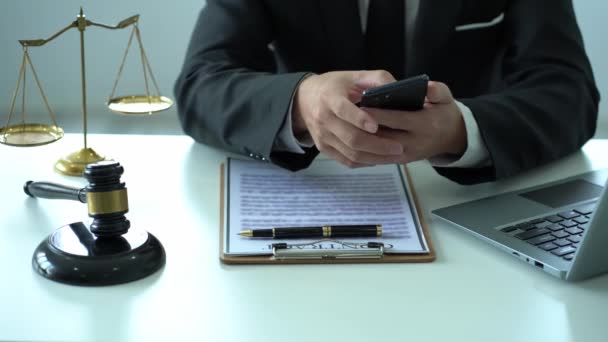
(315, 232)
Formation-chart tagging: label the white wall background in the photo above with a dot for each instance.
(165, 27)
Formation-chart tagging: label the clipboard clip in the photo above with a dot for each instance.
(345, 250)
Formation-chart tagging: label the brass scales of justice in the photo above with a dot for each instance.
(26, 133)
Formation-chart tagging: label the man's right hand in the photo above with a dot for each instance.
(324, 107)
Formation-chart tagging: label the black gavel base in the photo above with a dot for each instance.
(73, 255)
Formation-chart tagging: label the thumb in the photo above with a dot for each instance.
(438, 92)
(372, 78)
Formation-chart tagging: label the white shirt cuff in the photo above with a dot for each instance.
(476, 154)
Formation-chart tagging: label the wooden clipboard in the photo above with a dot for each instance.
(387, 258)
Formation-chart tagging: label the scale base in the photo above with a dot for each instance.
(75, 163)
(73, 255)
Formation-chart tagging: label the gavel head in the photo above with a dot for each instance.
(107, 199)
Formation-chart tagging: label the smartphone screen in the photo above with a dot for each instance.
(407, 94)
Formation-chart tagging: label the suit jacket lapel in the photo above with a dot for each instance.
(434, 26)
(342, 27)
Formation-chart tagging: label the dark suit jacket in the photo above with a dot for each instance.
(527, 79)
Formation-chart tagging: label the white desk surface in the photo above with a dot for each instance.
(472, 292)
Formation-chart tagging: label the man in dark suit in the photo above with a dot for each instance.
(277, 81)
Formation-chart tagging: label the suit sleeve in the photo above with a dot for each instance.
(548, 105)
(228, 93)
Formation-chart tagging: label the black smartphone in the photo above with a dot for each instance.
(407, 94)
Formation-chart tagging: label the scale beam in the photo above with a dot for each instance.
(40, 42)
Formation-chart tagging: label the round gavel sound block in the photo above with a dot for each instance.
(107, 250)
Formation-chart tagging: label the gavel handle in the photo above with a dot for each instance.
(54, 191)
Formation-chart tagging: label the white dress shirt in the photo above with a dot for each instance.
(476, 154)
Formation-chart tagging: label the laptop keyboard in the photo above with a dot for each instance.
(558, 234)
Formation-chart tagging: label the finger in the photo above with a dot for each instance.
(334, 154)
(359, 140)
(362, 157)
(394, 134)
(347, 111)
(408, 139)
(396, 119)
(438, 92)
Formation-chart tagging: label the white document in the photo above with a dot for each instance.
(262, 195)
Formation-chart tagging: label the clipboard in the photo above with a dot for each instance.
(374, 253)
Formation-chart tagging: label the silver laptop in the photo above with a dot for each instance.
(560, 227)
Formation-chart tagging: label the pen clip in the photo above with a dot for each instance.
(345, 250)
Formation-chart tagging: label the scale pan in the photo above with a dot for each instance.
(139, 104)
(30, 134)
